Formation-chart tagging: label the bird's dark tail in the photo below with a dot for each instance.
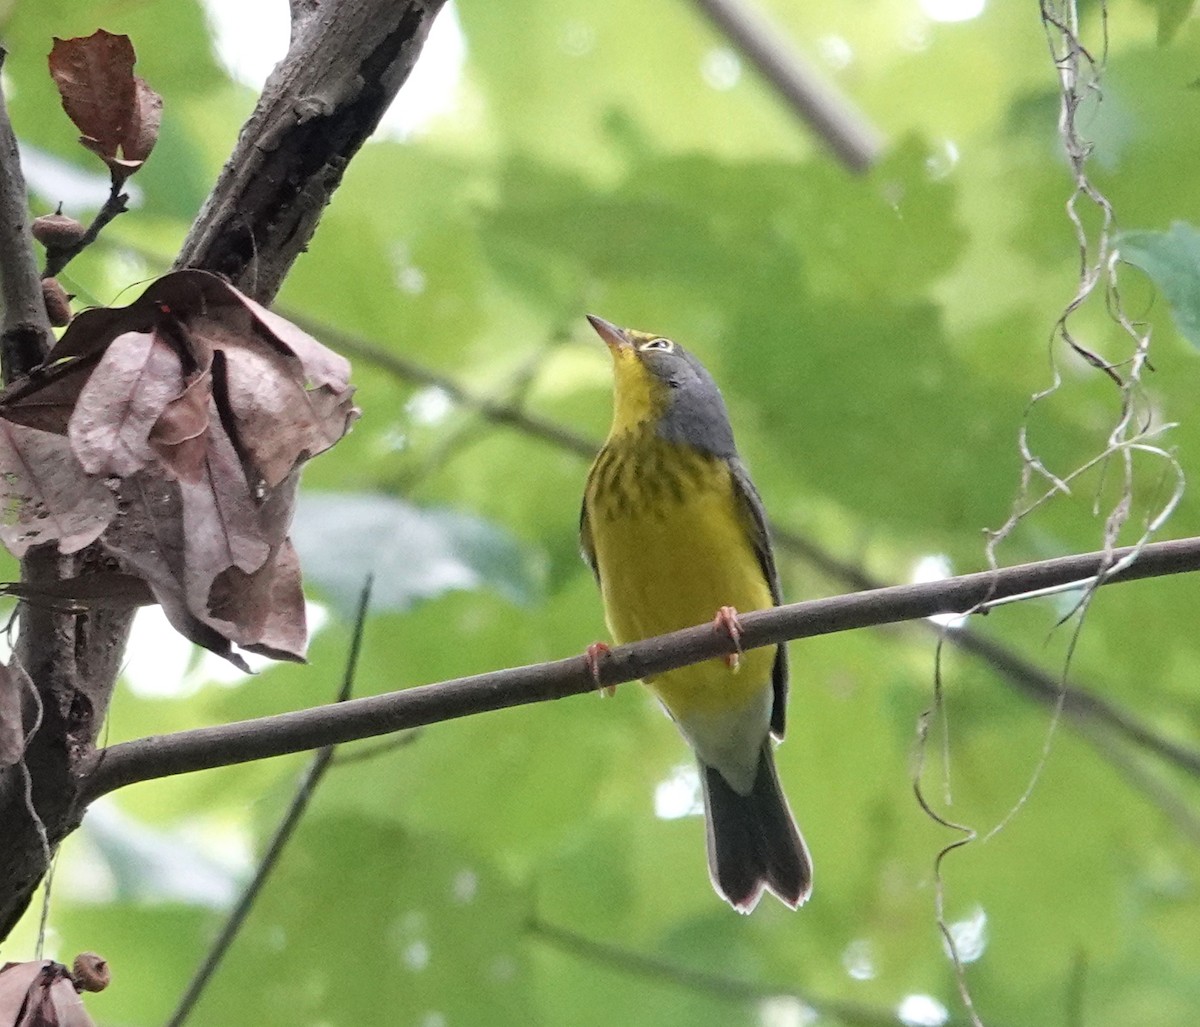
(753, 841)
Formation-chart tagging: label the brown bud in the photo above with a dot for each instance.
(57, 231)
(58, 302)
(91, 972)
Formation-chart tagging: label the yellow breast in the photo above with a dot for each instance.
(671, 548)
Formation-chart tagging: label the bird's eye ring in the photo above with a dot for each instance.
(666, 345)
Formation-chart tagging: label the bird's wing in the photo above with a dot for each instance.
(750, 507)
(586, 546)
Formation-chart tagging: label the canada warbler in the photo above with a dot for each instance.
(675, 531)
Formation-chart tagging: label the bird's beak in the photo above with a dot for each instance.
(615, 338)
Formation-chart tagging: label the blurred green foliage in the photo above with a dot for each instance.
(877, 339)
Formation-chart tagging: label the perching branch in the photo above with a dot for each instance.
(835, 120)
(346, 63)
(1080, 705)
(206, 748)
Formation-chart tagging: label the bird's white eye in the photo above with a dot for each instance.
(666, 345)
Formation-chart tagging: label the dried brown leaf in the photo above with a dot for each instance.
(212, 540)
(16, 980)
(222, 526)
(321, 365)
(117, 114)
(265, 609)
(279, 422)
(131, 386)
(63, 1006)
(145, 117)
(147, 540)
(46, 494)
(91, 330)
(40, 994)
(205, 405)
(94, 75)
(178, 436)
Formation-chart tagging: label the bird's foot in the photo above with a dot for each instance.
(726, 621)
(592, 657)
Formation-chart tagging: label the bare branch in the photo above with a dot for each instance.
(411, 371)
(58, 257)
(838, 123)
(303, 12)
(318, 107)
(1079, 704)
(25, 336)
(731, 989)
(206, 748)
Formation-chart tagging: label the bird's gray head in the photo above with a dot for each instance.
(660, 382)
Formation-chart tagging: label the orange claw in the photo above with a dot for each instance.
(727, 621)
(592, 657)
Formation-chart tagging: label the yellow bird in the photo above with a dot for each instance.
(675, 532)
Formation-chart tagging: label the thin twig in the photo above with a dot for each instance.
(206, 748)
(966, 835)
(1077, 989)
(44, 915)
(413, 372)
(830, 114)
(456, 440)
(1180, 813)
(58, 257)
(1079, 705)
(321, 762)
(370, 752)
(731, 989)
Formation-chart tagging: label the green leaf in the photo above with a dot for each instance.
(366, 923)
(413, 553)
(1172, 260)
(1171, 16)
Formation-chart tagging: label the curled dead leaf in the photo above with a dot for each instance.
(199, 407)
(118, 115)
(47, 496)
(123, 399)
(40, 994)
(178, 436)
